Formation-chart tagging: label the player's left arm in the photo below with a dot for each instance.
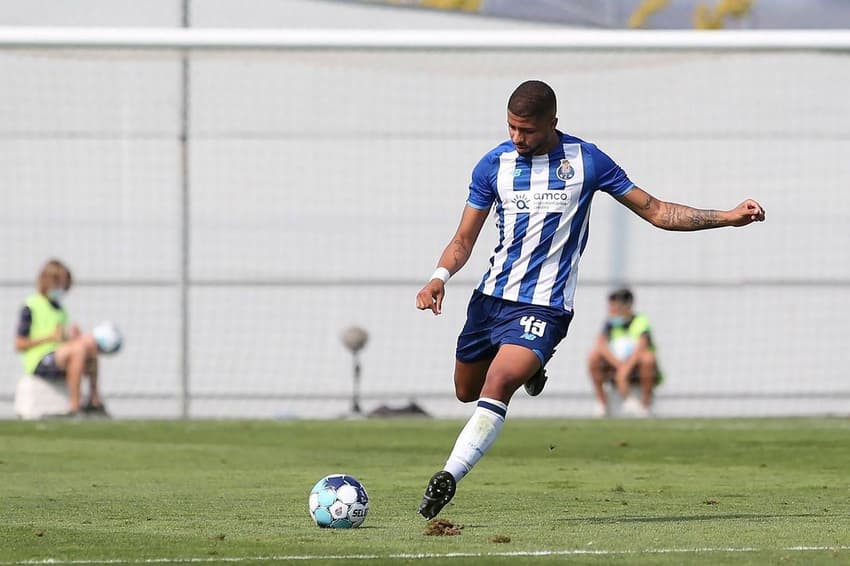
(453, 258)
(680, 217)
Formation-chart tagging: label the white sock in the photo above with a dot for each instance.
(477, 436)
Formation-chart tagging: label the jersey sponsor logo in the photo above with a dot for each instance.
(521, 202)
(538, 201)
(565, 170)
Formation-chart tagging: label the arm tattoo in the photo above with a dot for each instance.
(460, 252)
(680, 217)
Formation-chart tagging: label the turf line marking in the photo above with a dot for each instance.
(423, 556)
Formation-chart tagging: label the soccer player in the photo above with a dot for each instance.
(51, 348)
(541, 183)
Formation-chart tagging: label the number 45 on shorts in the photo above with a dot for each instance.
(534, 327)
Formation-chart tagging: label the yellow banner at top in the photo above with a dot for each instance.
(448, 5)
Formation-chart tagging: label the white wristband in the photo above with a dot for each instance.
(442, 274)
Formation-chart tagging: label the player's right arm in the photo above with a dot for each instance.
(454, 257)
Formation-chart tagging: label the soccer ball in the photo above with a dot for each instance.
(108, 338)
(339, 501)
(622, 347)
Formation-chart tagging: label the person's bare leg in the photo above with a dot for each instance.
(622, 385)
(646, 372)
(502, 376)
(71, 357)
(597, 368)
(469, 379)
(91, 371)
(509, 370)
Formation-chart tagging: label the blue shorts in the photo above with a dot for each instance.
(491, 322)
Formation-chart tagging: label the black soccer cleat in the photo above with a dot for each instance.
(439, 492)
(536, 383)
(92, 410)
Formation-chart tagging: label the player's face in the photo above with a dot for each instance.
(532, 136)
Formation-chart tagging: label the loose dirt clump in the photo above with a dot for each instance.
(442, 528)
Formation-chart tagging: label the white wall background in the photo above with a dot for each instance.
(324, 186)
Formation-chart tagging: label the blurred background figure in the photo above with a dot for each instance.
(624, 356)
(55, 351)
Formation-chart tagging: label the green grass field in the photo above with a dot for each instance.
(582, 492)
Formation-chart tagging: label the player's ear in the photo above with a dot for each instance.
(554, 122)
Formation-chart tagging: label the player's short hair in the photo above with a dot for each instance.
(69, 279)
(623, 296)
(533, 99)
(54, 272)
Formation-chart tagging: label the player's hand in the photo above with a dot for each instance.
(745, 213)
(74, 331)
(431, 296)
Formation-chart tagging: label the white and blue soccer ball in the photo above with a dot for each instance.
(339, 501)
(108, 337)
(622, 347)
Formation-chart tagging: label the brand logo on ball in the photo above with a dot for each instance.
(338, 501)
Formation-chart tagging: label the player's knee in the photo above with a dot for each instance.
(88, 345)
(81, 342)
(77, 350)
(468, 380)
(647, 360)
(501, 383)
(466, 394)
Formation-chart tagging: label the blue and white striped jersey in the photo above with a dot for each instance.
(542, 211)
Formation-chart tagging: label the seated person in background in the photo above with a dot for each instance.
(624, 355)
(52, 349)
